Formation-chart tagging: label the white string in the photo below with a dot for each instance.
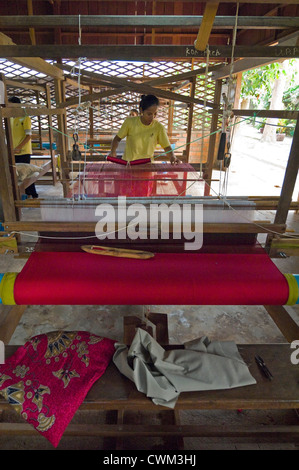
(74, 238)
(234, 42)
(224, 199)
(79, 38)
(73, 71)
(221, 197)
(227, 107)
(85, 151)
(204, 107)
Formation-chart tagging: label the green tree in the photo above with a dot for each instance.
(257, 84)
(273, 86)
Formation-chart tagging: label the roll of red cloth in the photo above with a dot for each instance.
(140, 161)
(69, 278)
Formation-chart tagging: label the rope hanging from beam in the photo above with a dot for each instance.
(224, 155)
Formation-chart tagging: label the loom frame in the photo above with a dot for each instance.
(12, 204)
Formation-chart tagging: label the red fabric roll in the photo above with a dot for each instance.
(140, 161)
(69, 278)
(120, 161)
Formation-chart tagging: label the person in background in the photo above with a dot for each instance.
(133, 113)
(143, 133)
(21, 138)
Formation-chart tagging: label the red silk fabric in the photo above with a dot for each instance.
(74, 278)
(118, 179)
(47, 379)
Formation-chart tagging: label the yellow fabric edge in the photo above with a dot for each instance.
(293, 289)
(7, 289)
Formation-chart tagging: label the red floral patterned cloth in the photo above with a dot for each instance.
(47, 379)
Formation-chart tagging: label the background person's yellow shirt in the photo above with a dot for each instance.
(21, 127)
(142, 140)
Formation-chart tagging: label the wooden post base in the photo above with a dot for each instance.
(156, 324)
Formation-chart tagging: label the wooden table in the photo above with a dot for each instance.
(113, 391)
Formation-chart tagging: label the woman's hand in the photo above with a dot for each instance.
(174, 160)
(114, 146)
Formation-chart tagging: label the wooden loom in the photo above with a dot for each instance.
(124, 396)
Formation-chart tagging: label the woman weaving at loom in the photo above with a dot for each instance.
(143, 133)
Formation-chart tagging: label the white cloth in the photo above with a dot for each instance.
(162, 375)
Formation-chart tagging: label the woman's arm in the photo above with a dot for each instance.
(172, 157)
(21, 144)
(114, 146)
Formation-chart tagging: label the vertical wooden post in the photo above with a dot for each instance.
(212, 141)
(288, 184)
(190, 118)
(31, 30)
(6, 183)
(153, 29)
(12, 162)
(10, 318)
(40, 139)
(170, 117)
(62, 144)
(236, 105)
(289, 180)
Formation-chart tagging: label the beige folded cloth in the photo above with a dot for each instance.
(162, 375)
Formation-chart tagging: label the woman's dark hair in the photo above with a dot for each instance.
(147, 101)
(14, 99)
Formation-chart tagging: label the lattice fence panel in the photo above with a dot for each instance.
(109, 114)
(205, 90)
(27, 96)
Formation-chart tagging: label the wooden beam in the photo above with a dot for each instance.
(90, 227)
(239, 66)
(261, 113)
(28, 181)
(29, 111)
(271, 2)
(139, 52)
(206, 26)
(26, 86)
(247, 64)
(283, 321)
(37, 63)
(181, 76)
(150, 21)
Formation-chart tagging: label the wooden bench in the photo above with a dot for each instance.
(113, 391)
